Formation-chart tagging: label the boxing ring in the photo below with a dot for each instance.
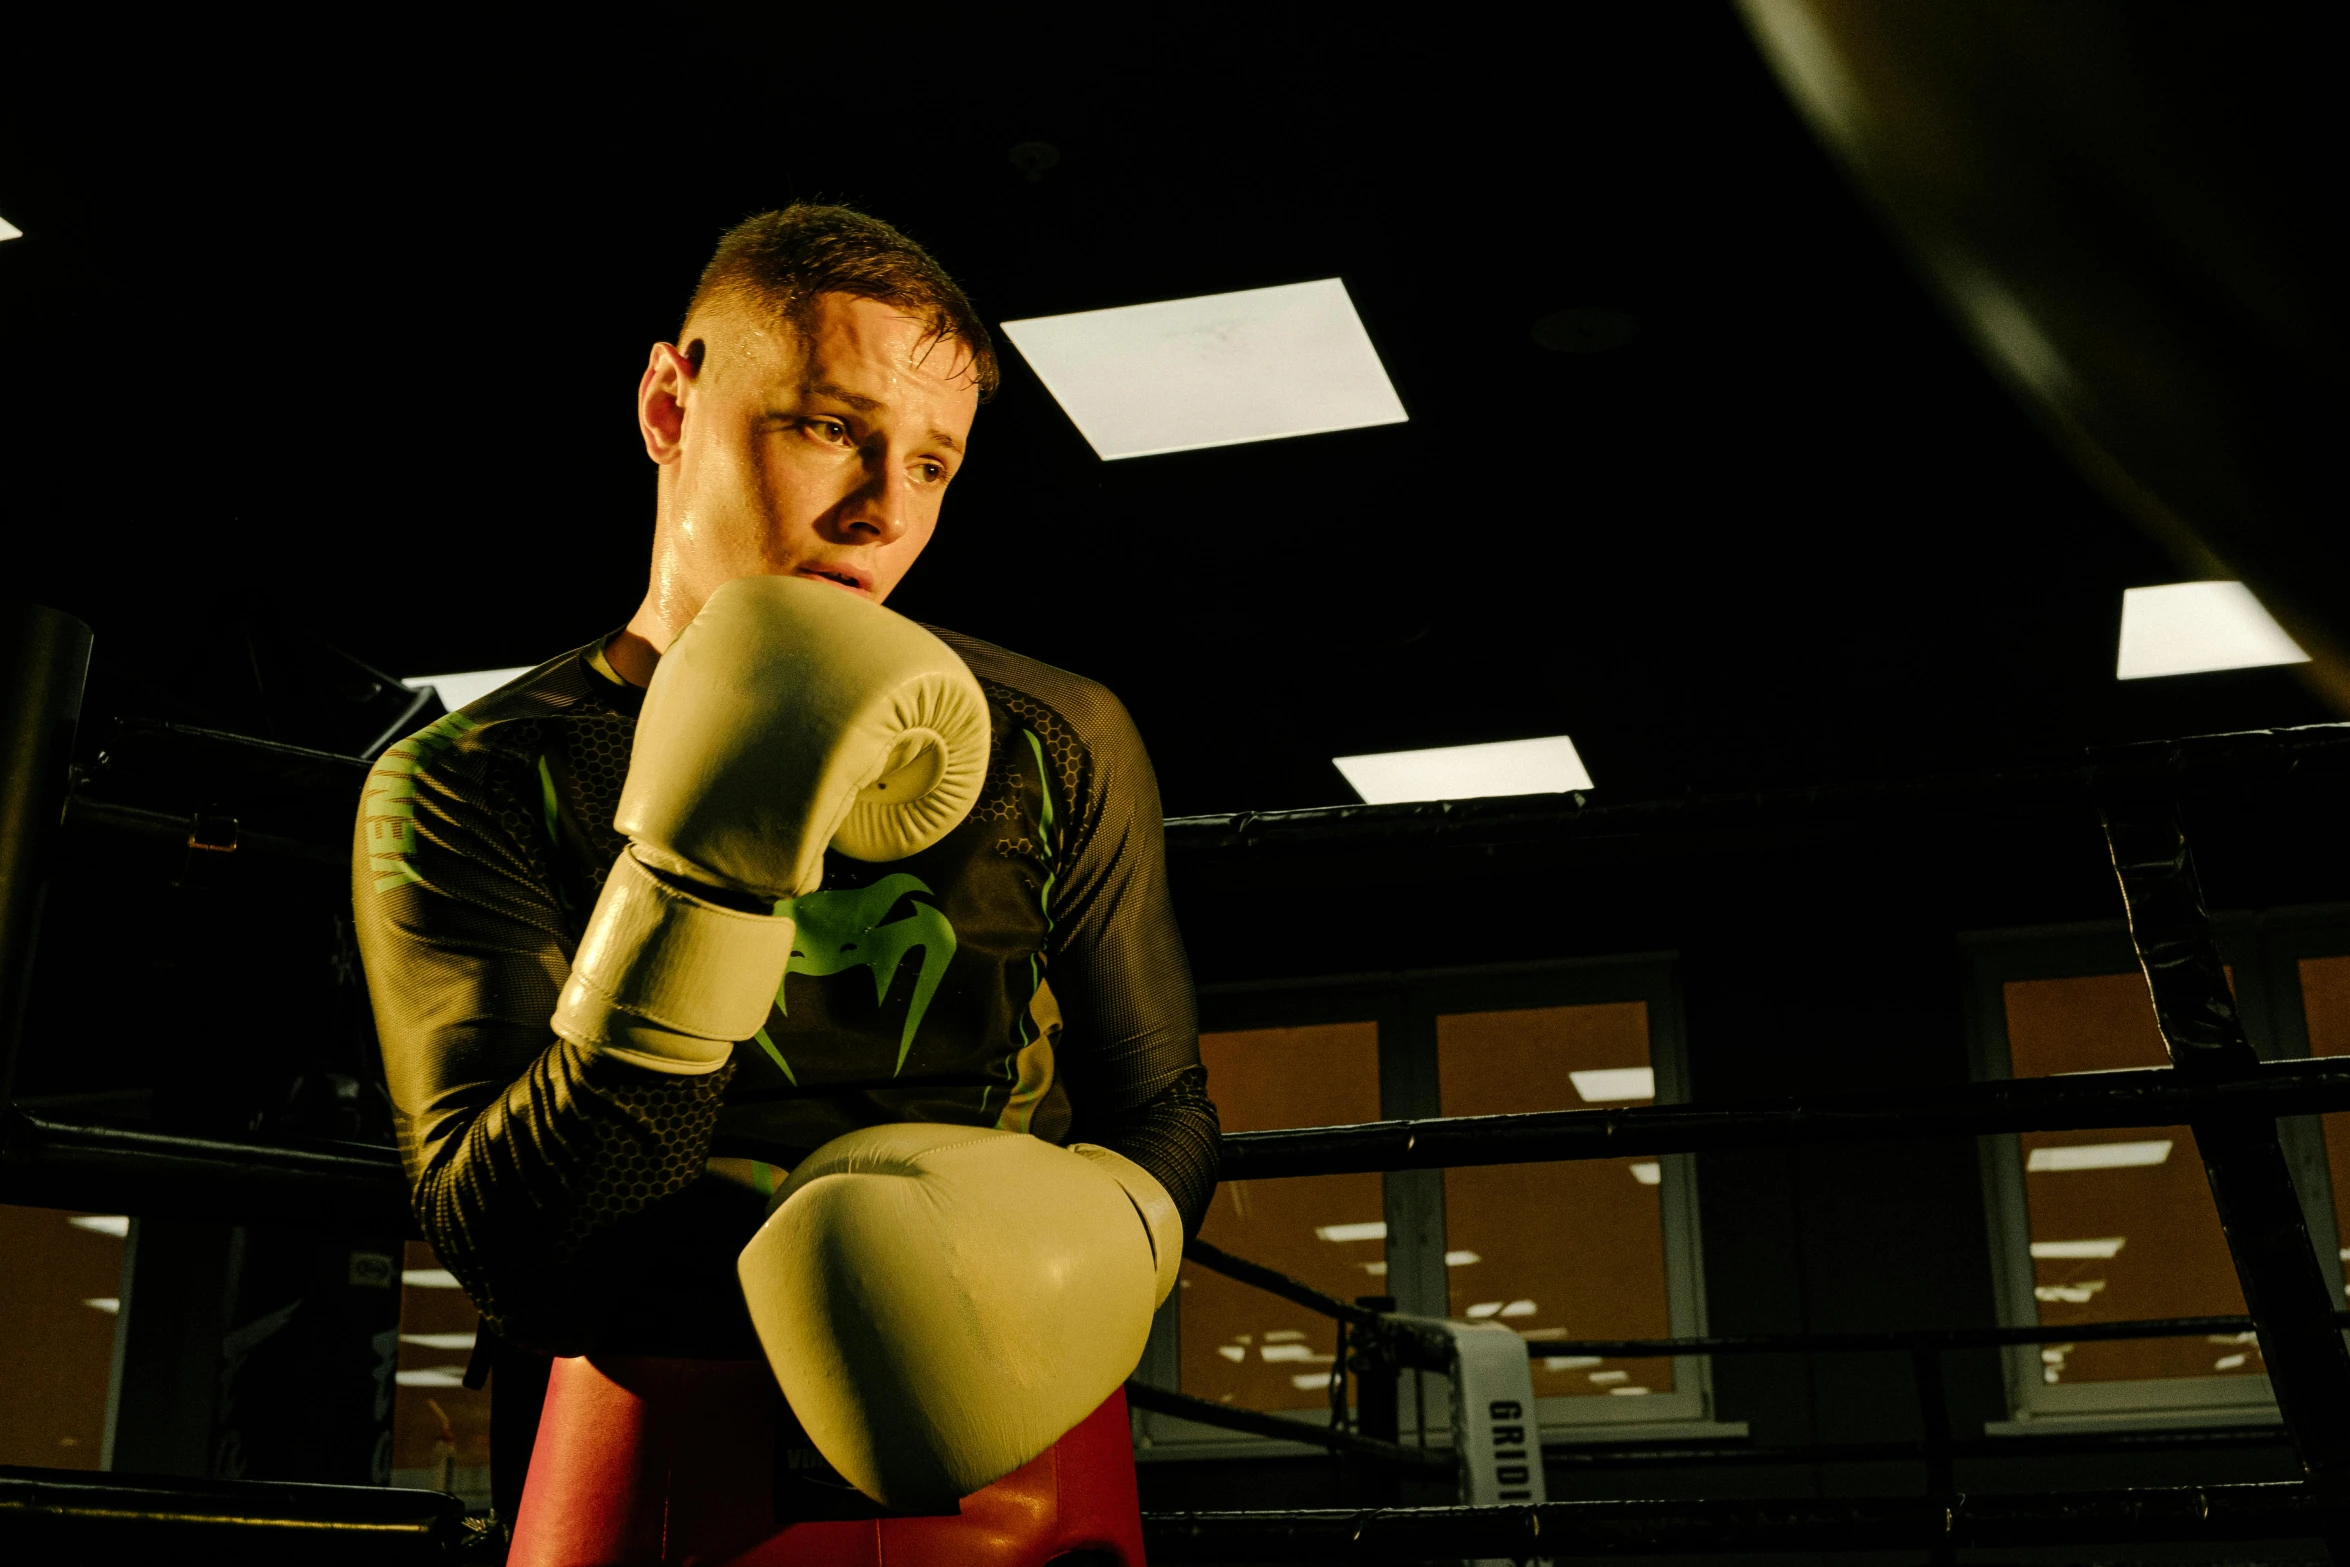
(2215, 1084)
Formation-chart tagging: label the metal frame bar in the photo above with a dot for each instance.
(2165, 1515)
(1183, 1406)
(48, 1164)
(2290, 1300)
(68, 1515)
(60, 1165)
(44, 664)
(1667, 826)
(2156, 1096)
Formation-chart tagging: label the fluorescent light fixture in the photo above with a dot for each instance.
(1549, 765)
(1648, 1172)
(429, 1279)
(110, 1304)
(1232, 1352)
(1615, 1082)
(467, 686)
(438, 1340)
(1285, 1336)
(1305, 1379)
(1482, 1310)
(1300, 1353)
(431, 1376)
(2099, 1156)
(2229, 1362)
(1460, 1259)
(1568, 1362)
(2050, 1251)
(1376, 1230)
(117, 1225)
(1605, 1377)
(2191, 628)
(1217, 370)
(1377, 1270)
(1519, 1308)
(2068, 1294)
(9, 230)
(1627, 1392)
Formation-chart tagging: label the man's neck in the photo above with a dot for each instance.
(632, 657)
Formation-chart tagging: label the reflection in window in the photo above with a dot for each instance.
(440, 1427)
(58, 1299)
(1240, 1345)
(2122, 1222)
(2325, 1003)
(1574, 1249)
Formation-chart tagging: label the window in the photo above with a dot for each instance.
(58, 1301)
(2111, 1225)
(1574, 1249)
(440, 1427)
(1241, 1345)
(2324, 983)
(1584, 1249)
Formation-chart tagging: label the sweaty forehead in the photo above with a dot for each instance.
(874, 353)
(881, 350)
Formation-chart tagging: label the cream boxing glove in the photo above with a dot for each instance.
(789, 715)
(942, 1303)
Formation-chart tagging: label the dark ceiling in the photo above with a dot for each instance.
(337, 336)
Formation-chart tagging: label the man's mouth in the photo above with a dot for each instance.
(851, 580)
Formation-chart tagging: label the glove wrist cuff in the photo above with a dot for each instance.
(667, 979)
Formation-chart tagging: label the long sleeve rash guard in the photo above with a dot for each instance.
(1025, 973)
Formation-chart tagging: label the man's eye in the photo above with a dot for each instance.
(933, 472)
(828, 429)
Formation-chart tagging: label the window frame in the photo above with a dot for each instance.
(1404, 1006)
(2263, 951)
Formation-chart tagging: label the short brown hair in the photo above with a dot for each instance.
(779, 263)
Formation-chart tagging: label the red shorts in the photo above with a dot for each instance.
(644, 1462)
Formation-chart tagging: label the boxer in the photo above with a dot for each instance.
(775, 977)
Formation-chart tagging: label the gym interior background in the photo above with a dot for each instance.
(322, 355)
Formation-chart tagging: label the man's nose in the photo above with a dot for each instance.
(881, 509)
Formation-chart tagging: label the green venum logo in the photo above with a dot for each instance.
(842, 930)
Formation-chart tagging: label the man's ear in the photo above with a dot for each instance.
(662, 397)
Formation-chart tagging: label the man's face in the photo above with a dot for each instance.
(824, 459)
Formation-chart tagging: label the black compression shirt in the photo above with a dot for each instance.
(1025, 972)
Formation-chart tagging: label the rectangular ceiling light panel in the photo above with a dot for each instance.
(2108, 1246)
(1218, 370)
(1600, 1085)
(2193, 628)
(1467, 772)
(2099, 1156)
